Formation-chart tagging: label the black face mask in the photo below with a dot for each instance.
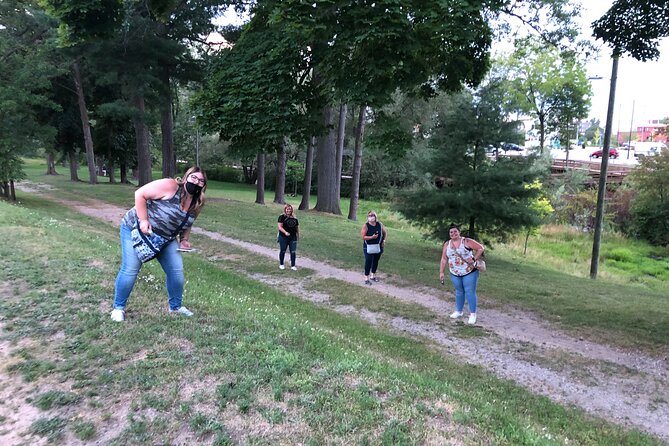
(193, 188)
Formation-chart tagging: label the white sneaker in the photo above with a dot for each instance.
(456, 314)
(282, 267)
(294, 268)
(118, 315)
(472, 319)
(182, 310)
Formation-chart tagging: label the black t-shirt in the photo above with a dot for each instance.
(290, 224)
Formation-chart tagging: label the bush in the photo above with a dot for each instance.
(578, 210)
(652, 224)
(227, 174)
(620, 208)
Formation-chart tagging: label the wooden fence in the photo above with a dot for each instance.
(615, 172)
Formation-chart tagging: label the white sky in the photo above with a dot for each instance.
(643, 86)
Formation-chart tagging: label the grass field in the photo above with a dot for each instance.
(627, 306)
(261, 366)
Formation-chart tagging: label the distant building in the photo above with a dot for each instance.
(654, 130)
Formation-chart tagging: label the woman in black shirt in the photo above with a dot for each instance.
(289, 233)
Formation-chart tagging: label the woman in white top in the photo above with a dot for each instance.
(461, 254)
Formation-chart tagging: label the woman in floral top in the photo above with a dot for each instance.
(461, 254)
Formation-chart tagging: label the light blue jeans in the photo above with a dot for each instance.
(465, 287)
(170, 260)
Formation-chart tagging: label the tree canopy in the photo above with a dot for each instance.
(550, 86)
(634, 27)
(27, 65)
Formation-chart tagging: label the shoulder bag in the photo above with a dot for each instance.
(148, 246)
(375, 248)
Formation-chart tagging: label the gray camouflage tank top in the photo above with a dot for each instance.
(165, 216)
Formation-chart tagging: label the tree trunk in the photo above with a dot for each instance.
(250, 173)
(85, 124)
(123, 168)
(280, 184)
(357, 165)
(50, 164)
(326, 153)
(341, 134)
(542, 132)
(167, 129)
(260, 184)
(12, 190)
(111, 167)
(142, 138)
(74, 165)
(308, 167)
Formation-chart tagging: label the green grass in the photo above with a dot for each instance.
(55, 398)
(52, 428)
(551, 280)
(251, 357)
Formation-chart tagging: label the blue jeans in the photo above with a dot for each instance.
(465, 287)
(170, 260)
(284, 243)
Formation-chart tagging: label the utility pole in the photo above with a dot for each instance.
(601, 193)
(629, 137)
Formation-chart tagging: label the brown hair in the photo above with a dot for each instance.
(286, 206)
(200, 197)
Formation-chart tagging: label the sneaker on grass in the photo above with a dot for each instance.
(456, 314)
(472, 319)
(117, 315)
(182, 310)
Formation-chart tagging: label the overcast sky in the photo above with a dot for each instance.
(644, 85)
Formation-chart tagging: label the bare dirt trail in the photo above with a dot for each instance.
(628, 388)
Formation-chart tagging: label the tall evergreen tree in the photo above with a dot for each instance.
(490, 197)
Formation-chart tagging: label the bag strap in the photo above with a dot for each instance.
(172, 236)
(183, 223)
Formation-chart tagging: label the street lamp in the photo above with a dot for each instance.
(629, 137)
(197, 145)
(197, 141)
(601, 193)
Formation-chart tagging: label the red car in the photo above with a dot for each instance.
(613, 153)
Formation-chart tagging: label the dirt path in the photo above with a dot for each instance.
(627, 388)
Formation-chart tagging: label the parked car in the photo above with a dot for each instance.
(491, 151)
(647, 148)
(511, 147)
(613, 153)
